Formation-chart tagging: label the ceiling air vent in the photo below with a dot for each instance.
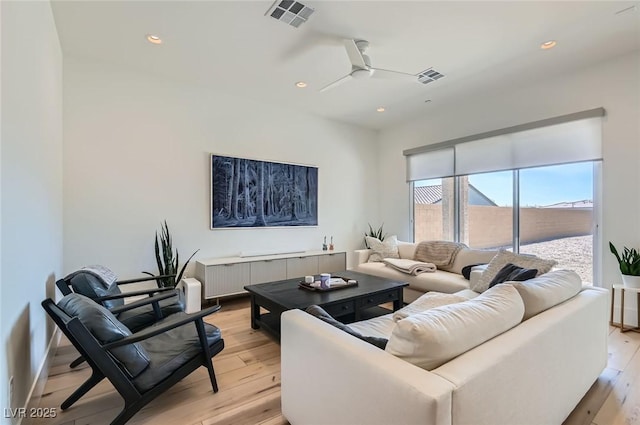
(290, 12)
(428, 76)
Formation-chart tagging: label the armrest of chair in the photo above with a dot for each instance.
(362, 255)
(144, 301)
(149, 292)
(143, 279)
(163, 327)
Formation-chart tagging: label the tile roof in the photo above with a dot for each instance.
(427, 194)
(433, 195)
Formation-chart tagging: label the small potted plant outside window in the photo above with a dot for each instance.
(629, 263)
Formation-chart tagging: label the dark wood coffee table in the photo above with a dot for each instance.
(346, 304)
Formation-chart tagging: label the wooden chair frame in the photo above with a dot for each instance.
(103, 364)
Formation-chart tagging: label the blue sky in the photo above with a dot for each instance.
(538, 186)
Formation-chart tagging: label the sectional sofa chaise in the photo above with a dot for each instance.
(533, 373)
(447, 281)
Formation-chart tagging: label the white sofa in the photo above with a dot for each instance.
(447, 281)
(533, 374)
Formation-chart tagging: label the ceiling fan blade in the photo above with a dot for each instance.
(354, 54)
(393, 75)
(336, 83)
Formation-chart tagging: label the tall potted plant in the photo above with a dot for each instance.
(629, 263)
(167, 263)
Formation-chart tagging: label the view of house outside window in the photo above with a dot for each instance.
(555, 212)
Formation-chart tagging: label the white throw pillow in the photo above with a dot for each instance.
(468, 256)
(432, 338)
(503, 258)
(382, 249)
(543, 292)
(406, 249)
(426, 302)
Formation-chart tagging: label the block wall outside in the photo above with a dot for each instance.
(492, 226)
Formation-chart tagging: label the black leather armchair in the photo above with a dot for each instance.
(107, 292)
(140, 365)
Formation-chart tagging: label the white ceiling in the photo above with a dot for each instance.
(234, 48)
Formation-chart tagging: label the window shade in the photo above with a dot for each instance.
(557, 144)
(430, 165)
(570, 138)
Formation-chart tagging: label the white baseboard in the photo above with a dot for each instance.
(37, 388)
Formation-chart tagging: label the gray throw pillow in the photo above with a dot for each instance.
(502, 258)
(513, 273)
(321, 314)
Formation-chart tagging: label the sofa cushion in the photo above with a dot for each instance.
(104, 326)
(426, 302)
(406, 250)
(548, 290)
(432, 338)
(382, 249)
(321, 314)
(439, 281)
(468, 256)
(466, 270)
(513, 273)
(380, 326)
(503, 258)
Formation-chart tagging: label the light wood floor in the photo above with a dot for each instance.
(248, 372)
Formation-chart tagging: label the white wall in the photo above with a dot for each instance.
(136, 152)
(614, 85)
(31, 178)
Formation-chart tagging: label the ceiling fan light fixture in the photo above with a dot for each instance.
(290, 12)
(548, 45)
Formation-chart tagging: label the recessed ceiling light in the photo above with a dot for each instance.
(548, 45)
(380, 109)
(154, 39)
(301, 84)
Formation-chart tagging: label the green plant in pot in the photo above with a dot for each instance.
(168, 263)
(629, 263)
(374, 233)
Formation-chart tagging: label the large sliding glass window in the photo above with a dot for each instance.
(555, 212)
(528, 188)
(486, 210)
(434, 213)
(556, 215)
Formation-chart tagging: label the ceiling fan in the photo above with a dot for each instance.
(361, 66)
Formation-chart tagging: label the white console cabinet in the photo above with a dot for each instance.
(228, 276)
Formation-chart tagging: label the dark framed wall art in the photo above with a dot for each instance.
(252, 193)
